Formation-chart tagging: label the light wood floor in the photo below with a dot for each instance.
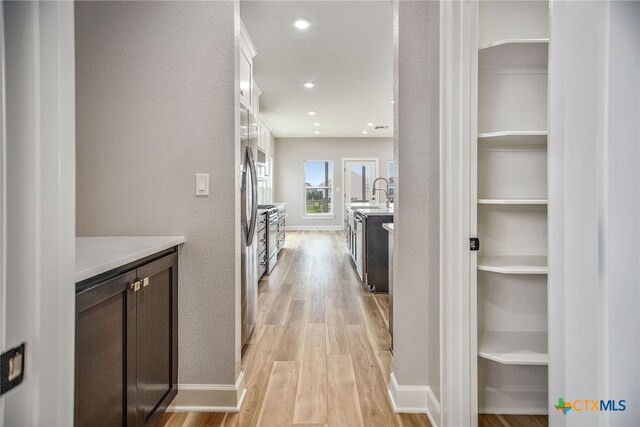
(319, 354)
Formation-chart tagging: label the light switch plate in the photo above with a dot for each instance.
(202, 184)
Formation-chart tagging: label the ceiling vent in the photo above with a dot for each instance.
(381, 127)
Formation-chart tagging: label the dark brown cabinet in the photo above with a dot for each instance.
(127, 343)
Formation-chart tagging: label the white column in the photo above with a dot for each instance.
(594, 209)
(415, 380)
(39, 92)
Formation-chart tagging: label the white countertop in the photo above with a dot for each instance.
(96, 255)
(379, 211)
(388, 226)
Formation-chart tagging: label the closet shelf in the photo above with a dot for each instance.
(515, 53)
(515, 134)
(513, 140)
(514, 348)
(507, 42)
(513, 201)
(514, 264)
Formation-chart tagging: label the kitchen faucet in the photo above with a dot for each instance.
(386, 192)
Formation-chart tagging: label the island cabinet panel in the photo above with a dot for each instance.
(127, 346)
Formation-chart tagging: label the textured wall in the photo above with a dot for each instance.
(155, 106)
(290, 156)
(416, 325)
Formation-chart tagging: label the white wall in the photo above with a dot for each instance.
(594, 209)
(289, 172)
(156, 105)
(39, 192)
(416, 357)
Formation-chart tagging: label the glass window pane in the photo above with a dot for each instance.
(318, 174)
(318, 201)
(360, 182)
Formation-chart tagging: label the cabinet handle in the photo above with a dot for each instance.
(135, 286)
(145, 281)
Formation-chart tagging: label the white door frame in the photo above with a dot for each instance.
(458, 335)
(38, 125)
(344, 178)
(3, 198)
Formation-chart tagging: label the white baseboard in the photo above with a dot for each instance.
(209, 397)
(513, 400)
(313, 227)
(410, 399)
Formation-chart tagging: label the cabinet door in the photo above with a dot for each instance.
(156, 346)
(101, 352)
(246, 83)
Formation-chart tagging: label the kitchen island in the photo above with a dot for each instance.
(368, 245)
(126, 329)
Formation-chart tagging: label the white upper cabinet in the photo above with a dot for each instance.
(255, 101)
(263, 135)
(247, 53)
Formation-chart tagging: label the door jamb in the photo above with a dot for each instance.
(458, 331)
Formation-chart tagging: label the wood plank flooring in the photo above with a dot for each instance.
(319, 354)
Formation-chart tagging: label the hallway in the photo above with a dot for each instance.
(319, 354)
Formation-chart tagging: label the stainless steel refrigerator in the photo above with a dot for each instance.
(249, 214)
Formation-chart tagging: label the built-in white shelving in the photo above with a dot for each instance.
(514, 348)
(514, 264)
(511, 204)
(513, 140)
(507, 202)
(542, 134)
(528, 53)
(511, 42)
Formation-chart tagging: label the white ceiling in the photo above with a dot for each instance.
(347, 52)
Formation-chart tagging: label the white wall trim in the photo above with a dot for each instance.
(458, 370)
(210, 397)
(38, 91)
(414, 399)
(313, 227)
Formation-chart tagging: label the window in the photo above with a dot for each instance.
(318, 187)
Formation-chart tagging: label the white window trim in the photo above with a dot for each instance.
(305, 214)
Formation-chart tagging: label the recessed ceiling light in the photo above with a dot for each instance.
(309, 85)
(371, 124)
(302, 23)
(317, 132)
(393, 102)
(312, 113)
(364, 132)
(317, 124)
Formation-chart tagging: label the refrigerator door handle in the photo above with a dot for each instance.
(254, 195)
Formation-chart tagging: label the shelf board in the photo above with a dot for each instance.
(515, 53)
(514, 264)
(513, 201)
(514, 134)
(514, 348)
(507, 42)
(513, 140)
